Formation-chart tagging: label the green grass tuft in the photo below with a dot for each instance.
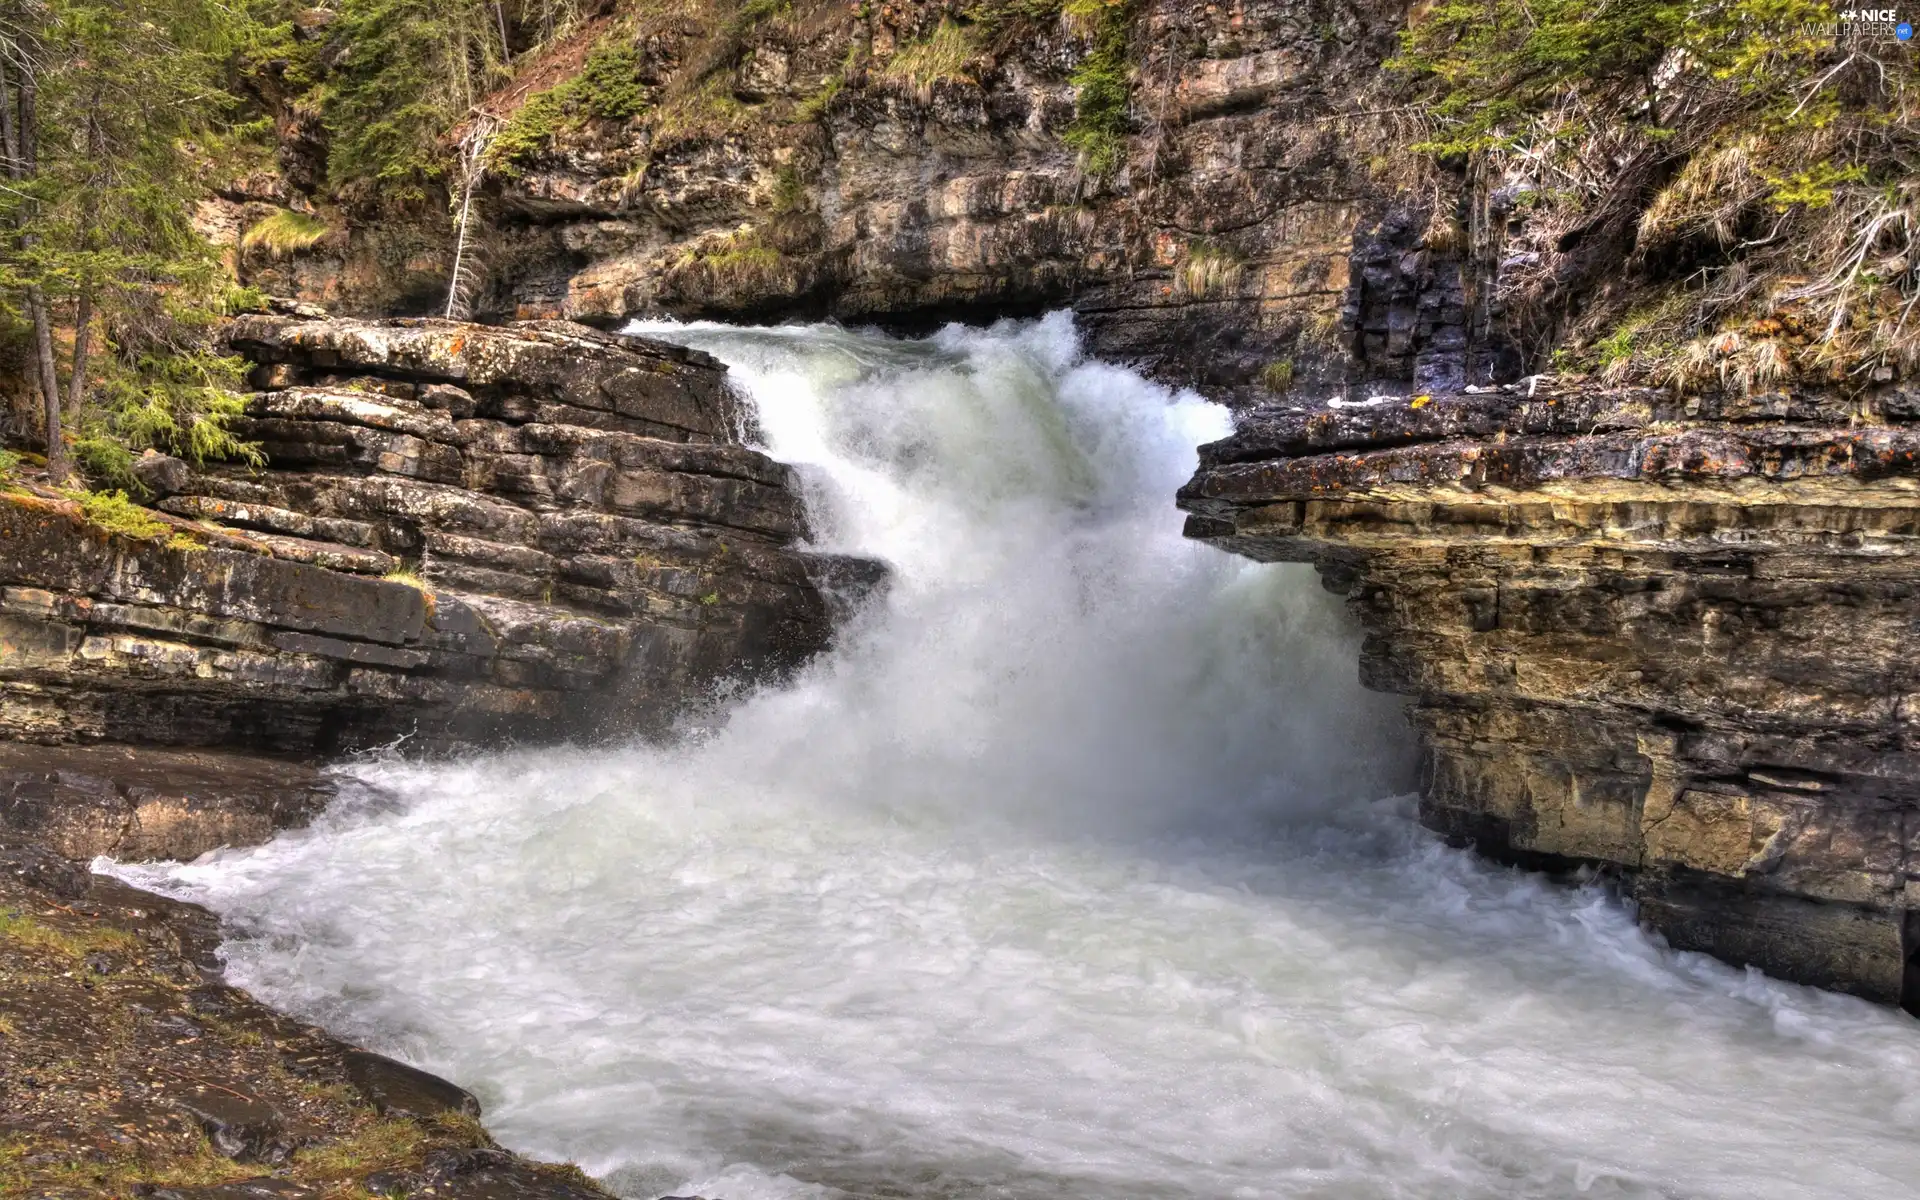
(284, 232)
(413, 580)
(113, 512)
(740, 259)
(1210, 270)
(1277, 377)
(113, 1174)
(940, 57)
(22, 930)
(755, 11)
(375, 1145)
(709, 110)
(820, 103)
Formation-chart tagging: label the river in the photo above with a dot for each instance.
(1080, 868)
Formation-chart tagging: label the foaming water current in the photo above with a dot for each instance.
(1065, 875)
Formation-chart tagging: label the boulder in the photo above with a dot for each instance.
(398, 1090)
(161, 474)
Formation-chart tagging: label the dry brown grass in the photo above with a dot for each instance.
(1209, 270)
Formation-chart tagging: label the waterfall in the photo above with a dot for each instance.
(1075, 870)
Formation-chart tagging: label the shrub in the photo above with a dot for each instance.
(1102, 85)
(180, 399)
(789, 190)
(104, 460)
(608, 88)
(1734, 148)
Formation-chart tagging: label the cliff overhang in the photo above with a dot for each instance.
(1668, 636)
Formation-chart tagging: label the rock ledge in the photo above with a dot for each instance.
(128, 1068)
(461, 534)
(1670, 637)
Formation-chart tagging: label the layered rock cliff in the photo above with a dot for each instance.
(458, 534)
(1669, 637)
(1255, 225)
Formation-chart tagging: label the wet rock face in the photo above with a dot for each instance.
(148, 802)
(1671, 637)
(460, 533)
(398, 1090)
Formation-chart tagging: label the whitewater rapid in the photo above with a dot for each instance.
(1072, 872)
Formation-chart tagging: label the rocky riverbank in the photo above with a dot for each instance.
(1669, 637)
(456, 535)
(128, 1068)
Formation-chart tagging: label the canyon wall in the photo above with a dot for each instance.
(1672, 638)
(1257, 229)
(457, 534)
(1657, 630)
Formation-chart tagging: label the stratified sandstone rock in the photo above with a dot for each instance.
(1253, 230)
(1673, 637)
(545, 371)
(461, 534)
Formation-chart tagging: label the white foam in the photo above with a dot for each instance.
(1061, 877)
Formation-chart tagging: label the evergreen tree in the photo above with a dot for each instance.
(109, 114)
(407, 72)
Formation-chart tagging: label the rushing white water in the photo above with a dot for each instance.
(1064, 876)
